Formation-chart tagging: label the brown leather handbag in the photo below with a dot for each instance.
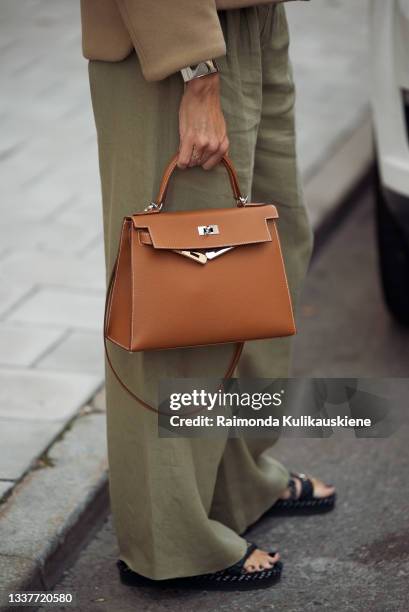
(198, 277)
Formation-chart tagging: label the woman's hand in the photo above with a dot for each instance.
(202, 128)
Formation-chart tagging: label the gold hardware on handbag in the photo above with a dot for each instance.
(157, 299)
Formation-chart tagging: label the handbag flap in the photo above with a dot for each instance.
(225, 227)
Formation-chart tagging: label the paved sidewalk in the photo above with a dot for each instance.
(51, 253)
(51, 266)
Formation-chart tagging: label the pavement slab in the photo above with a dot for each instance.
(50, 268)
(79, 351)
(21, 345)
(43, 395)
(5, 486)
(61, 307)
(33, 438)
(11, 292)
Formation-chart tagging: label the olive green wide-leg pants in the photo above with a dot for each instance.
(179, 505)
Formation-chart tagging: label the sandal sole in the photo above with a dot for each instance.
(303, 507)
(136, 580)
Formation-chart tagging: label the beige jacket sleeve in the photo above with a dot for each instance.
(171, 34)
(104, 34)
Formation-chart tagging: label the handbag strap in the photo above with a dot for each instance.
(157, 204)
(231, 367)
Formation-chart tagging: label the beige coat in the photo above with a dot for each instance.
(166, 34)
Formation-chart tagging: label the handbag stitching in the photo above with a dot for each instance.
(285, 275)
(116, 274)
(132, 288)
(119, 344)
(172, 246)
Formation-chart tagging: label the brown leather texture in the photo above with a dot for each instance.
(179, 230)
(169, 290)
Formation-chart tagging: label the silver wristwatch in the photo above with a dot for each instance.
(200, 70)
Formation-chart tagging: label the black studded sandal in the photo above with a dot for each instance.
(305, 502)
(232, 578)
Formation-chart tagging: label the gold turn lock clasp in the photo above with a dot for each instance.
(200, 257)
(195, 255)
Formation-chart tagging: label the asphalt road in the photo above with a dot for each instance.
(344, 328)
(357, 557)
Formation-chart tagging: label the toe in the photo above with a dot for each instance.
(321, 489)
(260, 560)
(274, 558)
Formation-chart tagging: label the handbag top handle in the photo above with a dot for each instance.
(156, 205)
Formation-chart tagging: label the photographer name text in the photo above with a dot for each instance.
(268, 421)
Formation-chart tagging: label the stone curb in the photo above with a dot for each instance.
(56, 509)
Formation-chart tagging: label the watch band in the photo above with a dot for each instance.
(200, 70)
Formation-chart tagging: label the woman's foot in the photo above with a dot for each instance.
(319, 488)
(304, 495)
(259, 560)
(257, 569)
